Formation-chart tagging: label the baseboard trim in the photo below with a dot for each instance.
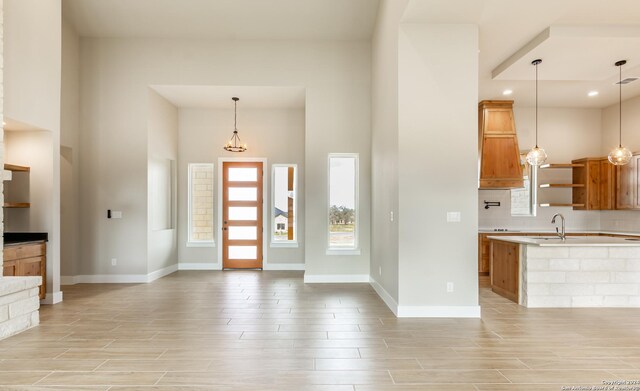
(162, 272)
(199, 266)
(69, 280)
(335, 278)
(118, 278)
(52, 298)
(408, 311)
(384, 295)
(284, 266)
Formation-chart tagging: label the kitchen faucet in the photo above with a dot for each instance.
(562, 234)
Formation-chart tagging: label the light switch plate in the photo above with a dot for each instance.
(453, 217)
(116, 214)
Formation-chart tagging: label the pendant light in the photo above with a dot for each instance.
(536, 155)
(620, 155)
(234, 144)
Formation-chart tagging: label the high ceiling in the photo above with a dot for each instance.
(578, 40)
(578, 57)
(224, 19)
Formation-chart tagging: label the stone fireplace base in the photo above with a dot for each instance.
(19, 304)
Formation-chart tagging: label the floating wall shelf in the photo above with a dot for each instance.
(16, 168)
(560, 205)
(561, 185)
(17, 205)
(561, 165)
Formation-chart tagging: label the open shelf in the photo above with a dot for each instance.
(561, 185)
(561, 165)
(16, 168)
(553, 204)
(17, 205)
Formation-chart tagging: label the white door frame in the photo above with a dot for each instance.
(265, 210)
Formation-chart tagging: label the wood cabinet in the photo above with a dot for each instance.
(628, 184)
(505, 269)
(27, 259)
(594, 180)
(499, 154)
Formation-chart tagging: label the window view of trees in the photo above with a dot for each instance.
(342, 201)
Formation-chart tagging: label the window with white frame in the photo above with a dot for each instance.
(343, 201)
(283, 199)
(200, 204)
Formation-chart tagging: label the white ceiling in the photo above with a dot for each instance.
(224, 19)
(578, 57)
(219, 97)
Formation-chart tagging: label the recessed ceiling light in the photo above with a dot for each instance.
(507, 92)
(593, 93)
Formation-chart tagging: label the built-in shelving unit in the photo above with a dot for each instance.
(560, 185)
(14, 168)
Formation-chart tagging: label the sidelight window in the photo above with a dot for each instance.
(284, 199)
(343, 203)
(200, 205)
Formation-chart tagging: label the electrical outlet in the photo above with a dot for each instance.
(449, 287)
(114, 261)
(379, 270)
(391, 216)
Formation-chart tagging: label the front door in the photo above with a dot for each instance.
(242, 215)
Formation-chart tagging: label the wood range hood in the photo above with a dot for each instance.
(498, 153)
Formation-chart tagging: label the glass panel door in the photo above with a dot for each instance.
(242, 215)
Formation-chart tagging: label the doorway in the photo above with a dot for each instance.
(242, 215)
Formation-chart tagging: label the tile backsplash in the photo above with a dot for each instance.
(613, 220)
(500, 216)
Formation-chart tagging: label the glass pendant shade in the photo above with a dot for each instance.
(620, 156)
(536, 156)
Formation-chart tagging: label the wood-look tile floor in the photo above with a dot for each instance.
(251, 330)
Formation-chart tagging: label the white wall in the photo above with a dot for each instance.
(438, 96)
(1, 133)
(565, 134)
(162, 160)
(115, 77)
(625, 221)
(384, 146)
(33, 149)
(32, 74)
(275, 134)
(69, 151)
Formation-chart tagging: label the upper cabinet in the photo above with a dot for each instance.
(627, 185)
(600, 185)
(499, 155)
(594, 184)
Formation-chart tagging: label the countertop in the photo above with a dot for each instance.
(20, 238)
(553, 232)
(571, 241)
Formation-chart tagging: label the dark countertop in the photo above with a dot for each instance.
(16, 238)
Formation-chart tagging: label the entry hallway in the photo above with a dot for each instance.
(252, 330)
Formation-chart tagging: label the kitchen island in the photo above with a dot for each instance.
(581, 271)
